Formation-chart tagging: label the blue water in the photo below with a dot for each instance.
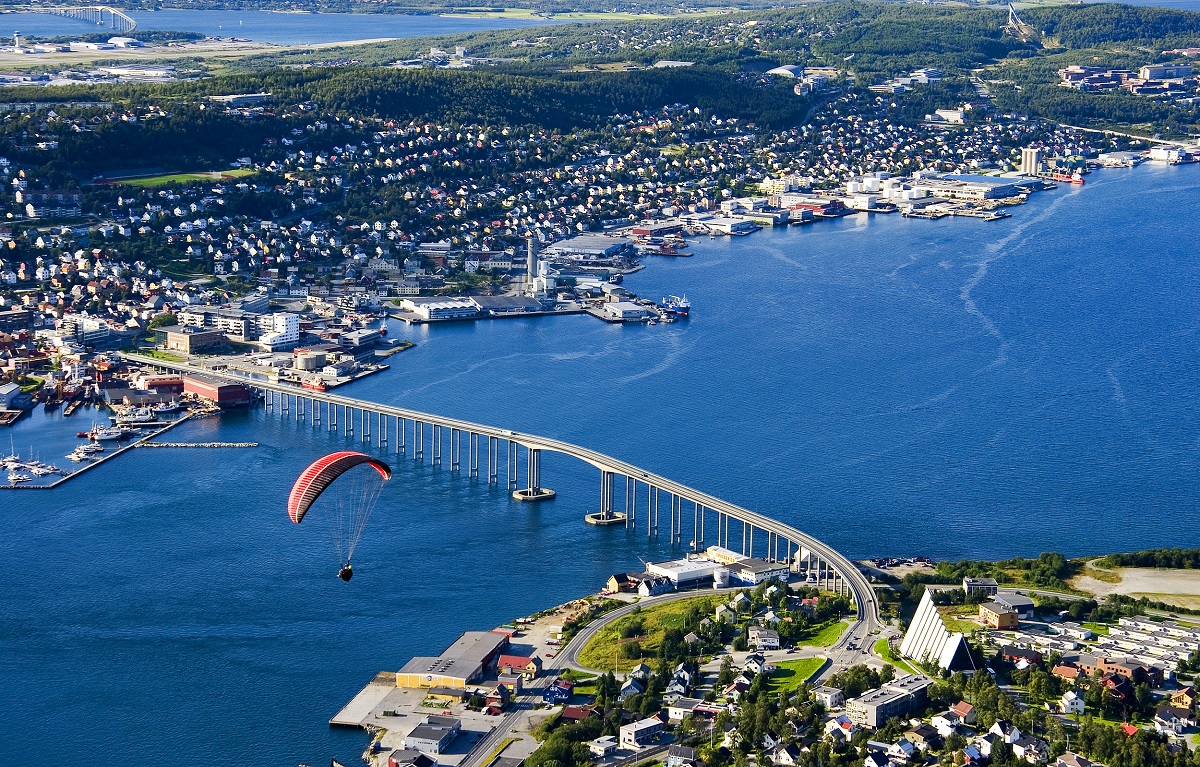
(269, 27)
(951, 388)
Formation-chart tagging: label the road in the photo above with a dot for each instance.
(853, 578)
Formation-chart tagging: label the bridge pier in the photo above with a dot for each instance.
(533, 474)
(472, 454)
(436, 439)
(606, 515)
(419, 441)
(493, 446)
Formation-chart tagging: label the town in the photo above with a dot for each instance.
(720, 659)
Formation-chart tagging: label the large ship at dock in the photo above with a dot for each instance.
(678, 305)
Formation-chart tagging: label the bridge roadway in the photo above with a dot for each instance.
(824, 556)
(122, 22)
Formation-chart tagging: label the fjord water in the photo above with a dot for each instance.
(951, 388)
(272, 27)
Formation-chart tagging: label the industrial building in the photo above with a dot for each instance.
(441, 308)
(625, 311)
(685, 573)
(433, 735)
(751, 572)
(461, 664)
(221, 393)
(586, 247)
(896, 698)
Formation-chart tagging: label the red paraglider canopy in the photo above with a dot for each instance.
(316, 478)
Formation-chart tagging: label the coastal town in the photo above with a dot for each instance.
(719, 659)
(231, 267)
(283, 266)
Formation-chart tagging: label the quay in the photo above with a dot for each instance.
(696, 519)
(196, 444)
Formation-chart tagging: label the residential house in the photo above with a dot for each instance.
(402, 757)
(735, 691)
(755, 662)
(829, 697)
(629, 689)
(653, 586)
(560, 691)
(1071, 702)
(681, 756)
(519, 664)
(1031, 749)
(764, 639)
(785, 755)
(641, 672)
(1072, 759)
(602, 746)
(636, 734)
(1185, 698)
(1173, 720)
(946, 723)
(1005, 730)
(1014, 654)
(965, 711)
(903, 749)
(725, 614)
(578, 713)
(924, 737)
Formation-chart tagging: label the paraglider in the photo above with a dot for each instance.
(347, 485)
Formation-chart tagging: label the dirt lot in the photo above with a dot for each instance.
(1181, 587)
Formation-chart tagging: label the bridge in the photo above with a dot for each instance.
(100, 15)
(692, 512)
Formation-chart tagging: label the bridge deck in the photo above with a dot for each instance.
(851, 575)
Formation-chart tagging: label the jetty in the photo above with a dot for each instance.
(196, 444)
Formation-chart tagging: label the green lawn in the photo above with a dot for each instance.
(158, 354)
(884, 650)
(793, 673)
(955, 619)
(824, 636)
(186, 178)
(1096, 628)
(602, 651)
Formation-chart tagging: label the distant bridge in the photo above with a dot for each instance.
(404, 431)
(100, 15)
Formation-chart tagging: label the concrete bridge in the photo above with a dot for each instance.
(100, 15)
(702, 517)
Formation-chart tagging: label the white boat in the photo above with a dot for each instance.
(14, 477)
(166, 407)
(135, 415)
(102, 433)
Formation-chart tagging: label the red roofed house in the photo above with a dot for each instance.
(519, 664)
(965, 711)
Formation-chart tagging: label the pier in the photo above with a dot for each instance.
(694, 519)
(140, 442)
(197, 444)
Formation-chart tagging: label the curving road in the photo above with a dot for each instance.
(864, 597)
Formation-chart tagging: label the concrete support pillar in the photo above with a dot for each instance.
(513, 467)
(437, 444)
(493, 461)
(472, 455)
